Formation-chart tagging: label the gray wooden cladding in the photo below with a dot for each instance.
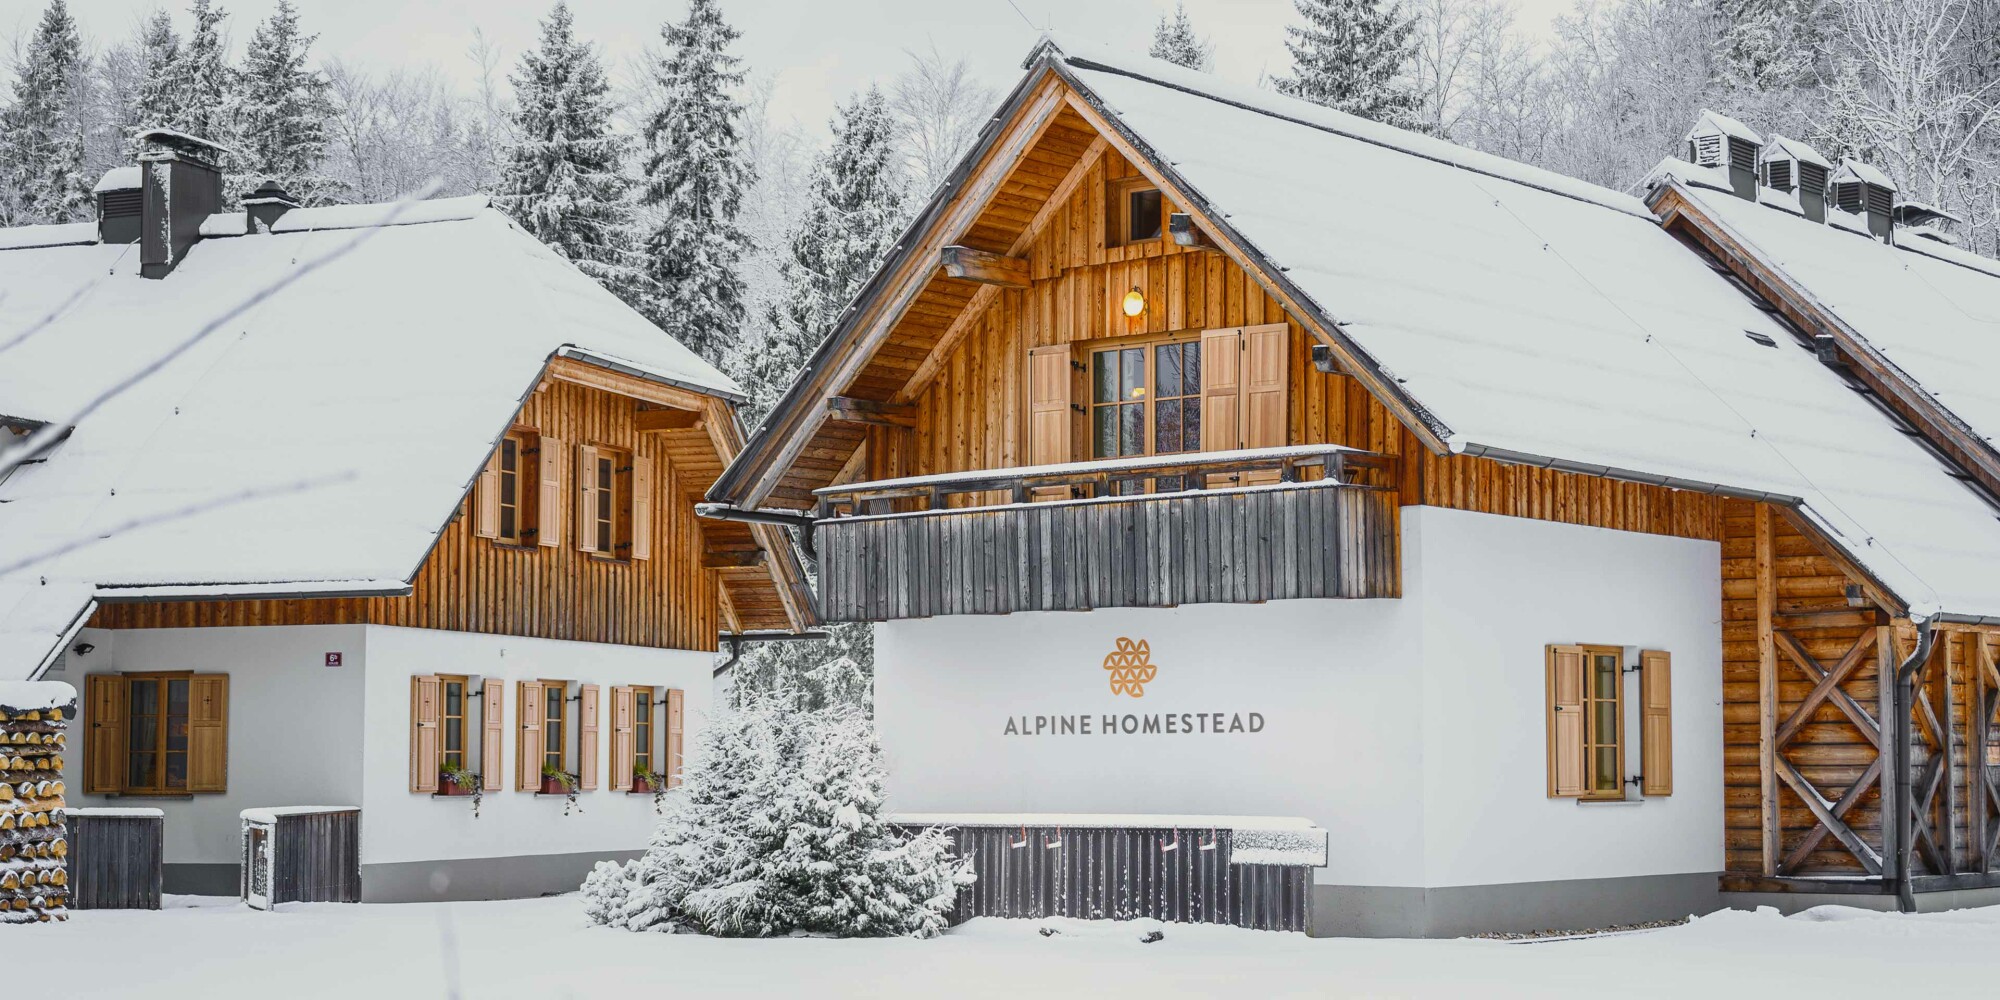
(314, 858)
(116, 862)
(1235, 546)
(1123, 873)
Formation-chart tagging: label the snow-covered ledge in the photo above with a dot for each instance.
(1257, 840)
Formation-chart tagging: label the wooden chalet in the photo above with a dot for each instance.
(381, 505)
(1433, 463)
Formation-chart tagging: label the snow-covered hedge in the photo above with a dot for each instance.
(778, 829)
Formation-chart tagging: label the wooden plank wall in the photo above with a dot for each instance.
(472, 584)
(973, 415)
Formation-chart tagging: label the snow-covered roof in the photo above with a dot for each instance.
(318, 442)
(170, 136)
(1536, 320)
(117, 179)
(1785, 147)
(1854, 170)
(270, 815)
(1714, 122)
(56, 235)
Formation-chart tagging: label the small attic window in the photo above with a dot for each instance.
(1137, 213)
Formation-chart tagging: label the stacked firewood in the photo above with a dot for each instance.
(33, 878)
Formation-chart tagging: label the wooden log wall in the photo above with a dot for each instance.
(474, 584)
(34, 878)
(972, 416)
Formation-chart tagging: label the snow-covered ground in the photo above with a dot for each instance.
(202, 946)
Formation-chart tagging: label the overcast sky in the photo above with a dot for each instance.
(815, 51)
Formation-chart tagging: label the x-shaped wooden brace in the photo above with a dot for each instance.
(1832, 814)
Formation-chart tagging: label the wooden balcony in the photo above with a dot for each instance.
(1125, 533)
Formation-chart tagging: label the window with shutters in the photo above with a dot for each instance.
(642, 731)
(163, 734)
(555, 741)
(451, 722)
(519, 497)
(1208, 390)
(512, 521)
(1587, 730)
(615, 503)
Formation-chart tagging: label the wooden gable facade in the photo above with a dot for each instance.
(684, 581)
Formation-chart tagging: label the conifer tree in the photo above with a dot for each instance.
(285, 111)
(695, 176)
(1174, 40)
(561, 178)
(41, 139)
(1350, 56)
(160, 49)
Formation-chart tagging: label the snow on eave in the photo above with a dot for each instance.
(1716, 121)
(158, 134)
(59, 234)
(296, 589)
(1942, 250)
(1785, 147)
(611, 362)
(270, 815)
(1673, 168)
(388, 213)
(1853, 169)
(36, 696)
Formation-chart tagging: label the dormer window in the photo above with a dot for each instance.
(1138, 212)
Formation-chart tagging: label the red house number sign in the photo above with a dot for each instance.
(333, 659)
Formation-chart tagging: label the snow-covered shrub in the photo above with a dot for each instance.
(778, 829)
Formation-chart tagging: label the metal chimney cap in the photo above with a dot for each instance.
(270, 193)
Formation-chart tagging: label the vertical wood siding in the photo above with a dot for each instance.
(472, 584)
(315, 858)
(116, 862)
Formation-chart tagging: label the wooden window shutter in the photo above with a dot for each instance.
(1049, 423)
(622, 750)
(1221, 389)
(642, 507)
(1565, 692)
(586, 738)
(586, 498)
(549, 499)
(424, 734)
(493, 726)
(528, 734)
(104, 741)
(1266, 396)
(1656, 721)
(208, 733)
(675, 730)
(486, 499)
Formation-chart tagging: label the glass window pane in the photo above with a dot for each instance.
(177, 770)
(1167, 370)
(1191, 423)
(454, 698)
(177, 697)
(1103, 377)
(1167, 426)
(1132, 432)
(1607, 722)
(1607, 769)
(454, 735)
(1145, 214)
(145, 732)
(552, 738)
(177, 732)
(509, 456)
(139, 771)
(1191, 366)
(507, 483)
(1132, 372)
(145, 697)
(642, 707)
(507, 522)
(1607, 677)
(1104, 431)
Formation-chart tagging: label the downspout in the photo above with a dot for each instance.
(1906, 895)
(735, 641)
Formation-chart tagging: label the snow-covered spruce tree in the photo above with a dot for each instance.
(561, 178)
(839, 670)
(189, 86)
(855, 210)
(695, 176)
(41, 137)
(1175, 41)
(777, 830)
(159, 49)
(1350, 56)
(285, 111)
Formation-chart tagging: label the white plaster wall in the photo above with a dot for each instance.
(295, 724)
(1413, 730)
(1496, 590)
(399, 826)
(1336, 682)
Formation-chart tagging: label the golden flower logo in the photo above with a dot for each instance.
(1131, 667)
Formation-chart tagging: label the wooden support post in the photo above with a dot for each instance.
(868, 411)
(1978, 714)
(984, 266)
(1767, 690)
(1954, 854)
(1890, 754)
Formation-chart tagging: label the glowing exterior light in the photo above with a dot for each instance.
(1135, 302)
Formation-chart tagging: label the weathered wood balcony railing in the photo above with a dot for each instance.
(895, 549)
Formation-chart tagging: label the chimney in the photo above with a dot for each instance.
(1860, 189)
(181, 187)
(1728, 145)
(267, 204)
(1797, 169)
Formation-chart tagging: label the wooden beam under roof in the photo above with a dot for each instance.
(734, 557)
(984, 266)
(868, 411)
(667, 420)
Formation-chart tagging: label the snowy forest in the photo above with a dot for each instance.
(668, 181)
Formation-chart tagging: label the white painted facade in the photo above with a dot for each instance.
(302, 732)
(1413, 730)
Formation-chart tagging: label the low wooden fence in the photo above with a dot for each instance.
(116, 858)
(301, 855)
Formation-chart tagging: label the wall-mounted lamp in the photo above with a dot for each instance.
(1135, 301)
(82, 648)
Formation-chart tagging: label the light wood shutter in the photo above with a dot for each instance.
(675, 729)
(1656, 721)
(528, 735)
(1266, 384)
(623, 752)
(642, 507)
(1565, 693)
(104, 740)
(1049, 423)
(1221, 395)
(587, 761)
(493, 724)
(486, 499)
(424, 734)
(549, 498)
(208, 733)
(586, 498)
